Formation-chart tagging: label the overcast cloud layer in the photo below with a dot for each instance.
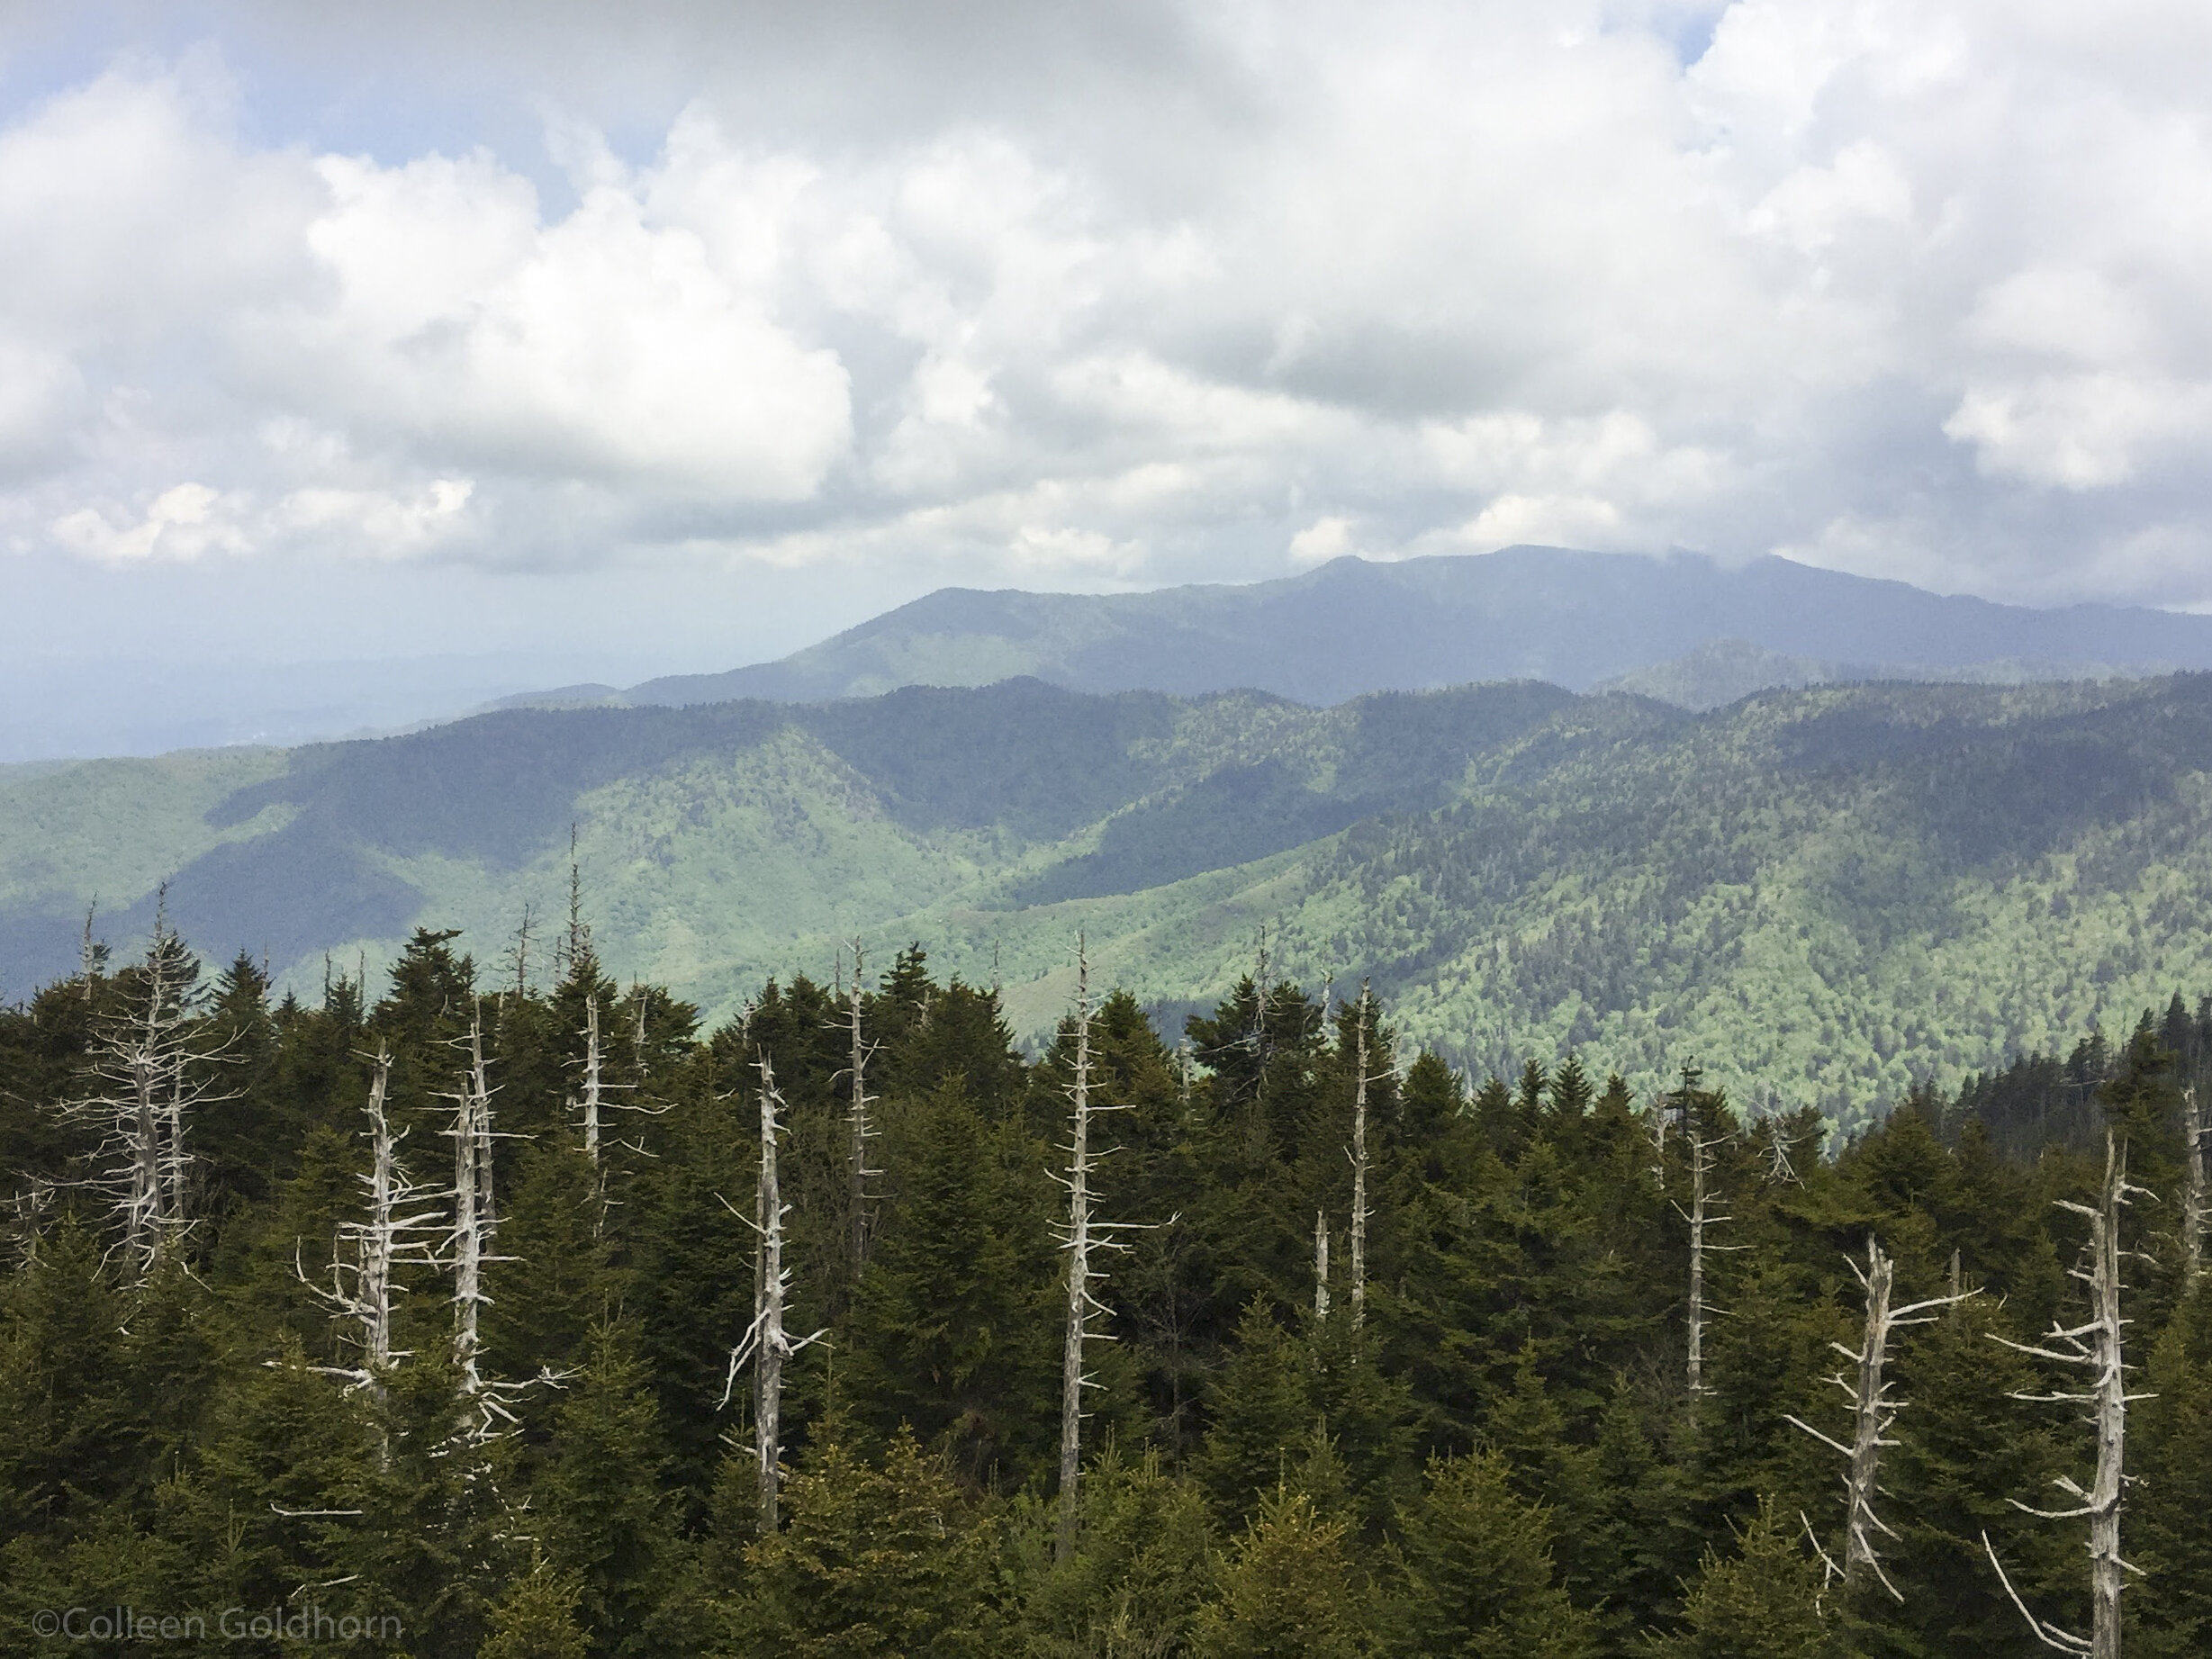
(1092, 296)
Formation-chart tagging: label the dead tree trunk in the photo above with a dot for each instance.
(767, 1342)
(859, 1125)
(1359, 1166)
(393, 1229)
(378, 1238)
(768, 1307)
(1082, 1237)
(475, 1215)
(1873, 1412)
(1079, 1299)
(92, 955)
(150, 1078)
(2193, 1190)
(590, 1102)
(1701, 1215)
(2096, 1347)
(1321, 1267)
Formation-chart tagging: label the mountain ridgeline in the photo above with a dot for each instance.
(1352, 627)
(1824, 896)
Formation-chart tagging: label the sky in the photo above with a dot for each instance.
(602, 341)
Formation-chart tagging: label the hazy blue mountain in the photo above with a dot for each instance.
(1350, 627)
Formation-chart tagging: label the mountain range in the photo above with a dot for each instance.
(1350, 627)
(1845, 889)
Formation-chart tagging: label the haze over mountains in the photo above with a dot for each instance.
(1682, 628)
(1573, 618)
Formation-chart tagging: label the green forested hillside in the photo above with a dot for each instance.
(509, 1425)
(1825, 894)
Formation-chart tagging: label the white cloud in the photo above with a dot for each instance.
(1328, 537)
(181, 523)
(1144, 295)
(190, 521)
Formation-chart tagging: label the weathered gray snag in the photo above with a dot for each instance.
(1081, 1235)
(596, 1097)
(1321, 1267)
(860, 1124)
(475, 1219)
(2096, 1348)
(590, 1102)
(1873, 1412)
(392, 1231)
(2193, 1177)
(148, 1078)
(767, 1342)
(1360, 1164)
(1780, 1168)
(1701, 1215)
(92, 955)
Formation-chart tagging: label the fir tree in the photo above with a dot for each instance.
(874, 1559)
(535, 1617)
(1474, 1573)
(1762, 1603)
(608, 1522)
(1286, 1589)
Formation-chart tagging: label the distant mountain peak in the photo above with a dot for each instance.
(1578, 618)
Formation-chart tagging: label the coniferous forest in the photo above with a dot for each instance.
(499, 1309)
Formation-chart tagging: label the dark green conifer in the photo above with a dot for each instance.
(1473, 1576)
(874, 1559)
(1286, 1589)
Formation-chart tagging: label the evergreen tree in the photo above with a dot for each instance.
(1287, 1588)
(1139, 1573)
(608, 1522)
(535, 1619)
(1474, 1572)
(874, 1559)
(2170, 1516)
(952, 1330)
(1762, 1602)
(1261, 1404)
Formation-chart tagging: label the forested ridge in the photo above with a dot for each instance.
(1826, 895)
(1396, 1365)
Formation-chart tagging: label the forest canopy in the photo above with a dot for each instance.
(503, 1310)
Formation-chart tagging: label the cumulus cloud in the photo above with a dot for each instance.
(1124, 295)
